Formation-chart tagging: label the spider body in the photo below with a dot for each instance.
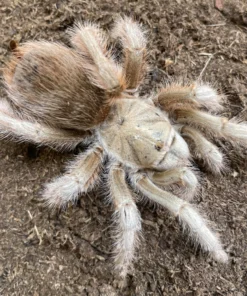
(61, 97)
(138, 134)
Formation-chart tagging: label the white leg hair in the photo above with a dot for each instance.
(134, 42)
(204, 149)
(215, 125)
(127, 219)
(187, 215)
(92, 43)
(5, 107)
(182, 177)
(81, 175)
(208, 97)
(24, 130)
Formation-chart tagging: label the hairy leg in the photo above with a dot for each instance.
(186, 97)
(91, 42)
(133, 40)
(127, 219)
(187, 215)
(181, 177)
(184, 105)
(203, 149)
(24, 130)
(218, 126)
(81, 175)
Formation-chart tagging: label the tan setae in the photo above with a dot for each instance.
(61, 97)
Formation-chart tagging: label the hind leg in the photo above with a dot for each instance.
(23, 130)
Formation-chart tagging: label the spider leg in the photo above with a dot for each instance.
(218, 126)
(183, 104)
(81, 175)
(127, 218)
(133, 40)
(11, 125)
(91, 42)
(176, 96)
(187, 215)
(182, 176)
(203, 149)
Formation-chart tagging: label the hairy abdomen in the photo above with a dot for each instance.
(46, 82)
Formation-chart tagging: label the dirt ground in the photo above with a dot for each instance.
(70, 253)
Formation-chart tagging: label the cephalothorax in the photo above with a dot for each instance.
(61, 97)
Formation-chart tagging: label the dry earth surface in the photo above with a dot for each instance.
(70, 253)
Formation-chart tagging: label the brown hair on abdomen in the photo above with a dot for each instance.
(46, 82)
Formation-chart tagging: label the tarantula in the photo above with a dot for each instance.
(61, 97)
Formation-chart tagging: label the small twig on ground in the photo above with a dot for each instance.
(38, 235)
(204, 68)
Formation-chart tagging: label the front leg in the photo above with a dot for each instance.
(176, 96)
(182, 178)
(133, 40)
(202, 149)
(214, 125)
